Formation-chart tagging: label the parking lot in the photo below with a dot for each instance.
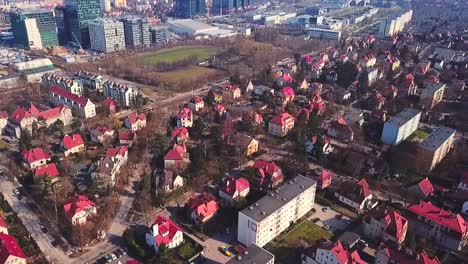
(119, 256)
(330, 219)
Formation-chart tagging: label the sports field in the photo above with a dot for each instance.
(187, 74)
(176, 54)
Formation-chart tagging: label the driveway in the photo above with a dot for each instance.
(329, 218)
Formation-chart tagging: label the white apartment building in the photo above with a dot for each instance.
(401, 126)
(432, 95)
(394, 25)
(34, 36)
(74, 86)
(267, 218)
(82, 105)
(436, 147)
(106, 35)
(124, 94)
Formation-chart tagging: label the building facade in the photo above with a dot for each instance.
(77, 14)
(281, 125)
(124, 94)
(394, 25)
(189, 8)
(432, 95)
(137, 32)
(436, 147)
(159, 35)
(267, 218)
(106, 35)
(27, 24)
(401, 126)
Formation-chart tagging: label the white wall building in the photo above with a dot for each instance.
(124, 94)
(267, 218)
(394, 25)
(106, 35)
(401, 126)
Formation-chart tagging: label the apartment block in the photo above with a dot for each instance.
(267, 218)
(137, 32)
(436, 147)
(253, 254)
(106, 35)
(124, 94)
(432, 95)
(394, 25)
(401, 126)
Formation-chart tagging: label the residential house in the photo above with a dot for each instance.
(49, 170)
(281, 125)
(196, 103)
(340, 129)
(10, 251)
(126, 95)
(231, 92)
(368, 61)
(180, 135)
(80, 209)
(312, 143)
(323, 178)
(72, 144)
(463, 184)
(105, 171)
(82, 105)
(372, 76)
(432, 95)
(127, 138)
(378, 101)
(246, 144)
(327, 252)
(185, 117)
(356, 195)
(168, 180)
(303, 86)
(102, 134)
(74, 86)
(217, 98)
(408, 85)
(177, 158)
(110, 105)
(35, 157)
(91, 80)
(220, 110)
(164, 232)
(3, 226)
(287, 94)
(234, 189)
(269, 175)
(50, 116)
(135, 121)
(441, 227)
(423, 189)
(3, 120)
(20, 120)
(202, 207)
(395, 254)
(257, 118)
(249, 88)
(383, 224)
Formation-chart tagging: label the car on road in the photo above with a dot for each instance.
(315, 220)
(112, 256)
(108, 259)
(325, 209)
(122, 252)
(16, 191)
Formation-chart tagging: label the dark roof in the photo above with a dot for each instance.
(253, 254)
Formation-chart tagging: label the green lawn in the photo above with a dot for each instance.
(3, 145)
(176, 54)
(421, 134)
(191, 73)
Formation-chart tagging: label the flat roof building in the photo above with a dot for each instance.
(436, 147)
(401, 126)
(106, 35)
(432, 95)
(267, 218)
(34, 28)
(253, 254)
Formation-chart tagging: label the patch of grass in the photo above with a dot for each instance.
(421, 134)
(188, 74)
(3, 145)
(176, 54)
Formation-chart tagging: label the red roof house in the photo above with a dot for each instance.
(47, 169)
(287, 94)
(127, 137)
(234, 189)
(269, 175)
(357, 195)
(3, 226)
(280, 125)
(164, 232)
(202, 207)
(73, 144)
(35, 157)
(10, 250)
(135, 121)
(423, 189)
(180, 135)
(386, 225)
(80, 209)
(326, 251)
(177, 158)
(340, 129)
(324, 178)
(389, 255)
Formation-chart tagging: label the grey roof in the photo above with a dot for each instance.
(253, 254)
(349, 238)
(437, 138)
(404, 116)
(278, 198)
(429, 91)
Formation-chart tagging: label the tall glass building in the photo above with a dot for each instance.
(34, 28)
(189, 8)
(137, 32)
(77, 15)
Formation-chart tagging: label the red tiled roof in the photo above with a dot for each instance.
(342, 122)
(77, 204)
(126, 135)
(66, 94)
(48, 169)
(220, 108)
(185, 113)
(49, 114)
(400, 256)
(337, 249)
(19, 114)
(194, 202)
(134, 117)
(282, 119)
(426, 186)
(133, 262)
(167, 230)
(308, 59)
(288, 78)
(177, 153)
(441, 217)
(325, 175)
(207, 209)
(197, 99)
(288, 92)
(9, 247)
(34, 154)
(365, 190)
(231, 87)
(180, 131)
(232, 185)
(72, 141)
(3, 223)
(395, 224)
(112, 152)
(110, 102)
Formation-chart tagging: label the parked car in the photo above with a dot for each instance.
(112, 256)
(16, 192)
(315, 220)
(325, 209)
(225, 250)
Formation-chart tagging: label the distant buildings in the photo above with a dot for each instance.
(137, 32)
(159, 34)
(401, 126)
(394, 25)
(189, 8)
(77, 14)
(267, 218)
(34, 28)
(436, 147)
(432, 95)
(322, 33)
(106, 35)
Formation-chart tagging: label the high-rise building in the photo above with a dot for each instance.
(189, 8)
(222, 7)
(137, 33)
(159, 35)
(27, 23)
(60, 21)
(401, 126)
(105, 5)
(242, 3)
(395, 24)
(120, 3)
(436, 147)
(77, 15)
(106, 35)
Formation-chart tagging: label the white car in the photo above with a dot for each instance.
(113, 256)
(325, 209)
(16, 192)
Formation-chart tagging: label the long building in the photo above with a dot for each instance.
(394, 25)
(432, 95)
(436, 147)
(137, 32)
(267, 218)
(322, 33)
(77, 14)
(106, 35)
(401, 126)
(34, 28)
